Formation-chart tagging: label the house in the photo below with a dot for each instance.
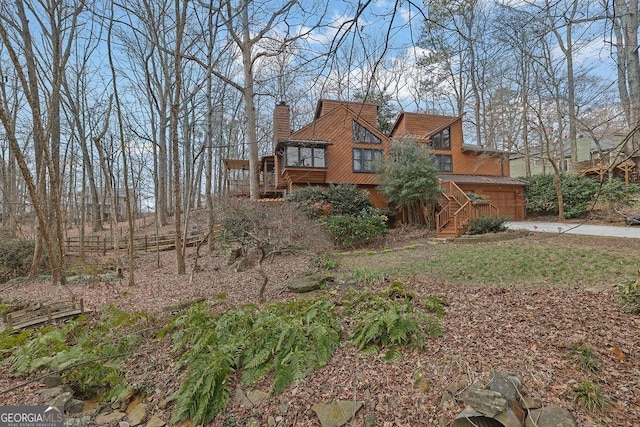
(342, 142)
(594, 159)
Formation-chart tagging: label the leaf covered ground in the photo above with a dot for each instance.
(520, 305)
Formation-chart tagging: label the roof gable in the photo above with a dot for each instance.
(316, 129)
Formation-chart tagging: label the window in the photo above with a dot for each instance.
(363, 135)
(444, 162)
(363, 159)
(306, 157)
(442, 140)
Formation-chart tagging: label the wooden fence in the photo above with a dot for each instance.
(147, 243)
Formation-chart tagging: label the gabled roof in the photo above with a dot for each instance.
(422, 126)
(328, 116)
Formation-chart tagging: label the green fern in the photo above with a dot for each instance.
(287, 339)
(81, 350)
(393, 319)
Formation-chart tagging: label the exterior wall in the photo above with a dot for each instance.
(416, 126)
(336, 127)
(509, 199)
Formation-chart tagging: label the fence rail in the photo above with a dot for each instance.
(147, 243)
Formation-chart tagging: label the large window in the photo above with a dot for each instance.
(363, 135)
(442, 140)
(444, 162)
(364, 158)
(306, 157)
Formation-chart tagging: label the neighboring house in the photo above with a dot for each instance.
(594, 159)
(342, 143)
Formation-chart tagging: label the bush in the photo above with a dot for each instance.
(487, 224)
(577, 193)
(341, 199)
(16, 256)
(355, 231)
(616, 191)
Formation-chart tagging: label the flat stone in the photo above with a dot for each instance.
(283, 408)
(487, 402)
(155, 422)
(338, 413)
(242, 399)
(124, 424)
(75, 406)
(50, 393)
(109, 418)
(550, 416)
(137, 415)
(61, 400)
(52, 381)
(305, 283)
(252, 422)
(256, 397)
(370, 419)
(507, 385)
(83, 421)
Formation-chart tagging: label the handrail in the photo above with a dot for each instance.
(467, 210)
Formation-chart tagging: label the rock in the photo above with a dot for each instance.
(124, 424)
(488, 402)
(472, 418)
(137, 415)
(83, 421)
(256, 397)
(155, 422)
(61, 400)
(242, 399)
(283, 408)
(305, 283)
(75, 406)
(252, 422)
(271, 422)
(507, 385)
(369, 419)
(50, 393)
(550, 416)
(531, 403)
(52, 381)
(336, 414)
(109, 418)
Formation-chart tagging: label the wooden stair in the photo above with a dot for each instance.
(458, 210)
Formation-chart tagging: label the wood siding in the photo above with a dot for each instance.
(508, 199)
(336, 127)
(362, 111)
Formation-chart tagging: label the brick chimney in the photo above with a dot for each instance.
(281, 122)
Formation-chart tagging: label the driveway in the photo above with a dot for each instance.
(632, 232)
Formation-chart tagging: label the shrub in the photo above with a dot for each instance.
(487, 224)
(343, 199)
(616, 191)
(16, 256)
(355, 231)
(577, 193)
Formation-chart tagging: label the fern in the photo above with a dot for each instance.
(289, 339)
(393, 319)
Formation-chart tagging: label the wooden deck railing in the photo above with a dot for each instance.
(466, 209)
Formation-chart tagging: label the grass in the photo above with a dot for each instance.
(586, 357)
(590, 397)
(512, 263)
